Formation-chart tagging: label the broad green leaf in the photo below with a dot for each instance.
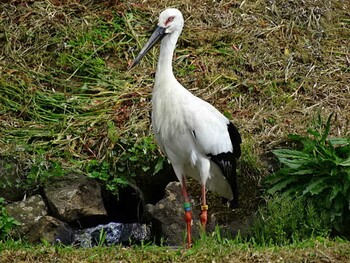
(343, 150)
(282, 184)
(275, 177)
(339, 141)
(303, 171)
(295, 190)
(296, 137)
(313, 132)
(316, 186)
(159, 165)
(325, 152)
(292, 158)
(286, 153)
(292, 163)
(335, 191)
(345, 162)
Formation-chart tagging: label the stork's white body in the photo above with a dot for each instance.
(199, 141)
(177, 115)
(187, 129)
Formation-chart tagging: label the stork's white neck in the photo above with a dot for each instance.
(167, 47)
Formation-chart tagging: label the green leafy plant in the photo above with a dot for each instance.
(285, 220)
(6, 221)
(319, 171)
(102, 171)
(42, 170)
(139, 157)
(130, 160)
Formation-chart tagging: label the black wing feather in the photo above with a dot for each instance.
(227, 161)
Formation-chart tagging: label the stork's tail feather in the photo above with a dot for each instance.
(227, 162)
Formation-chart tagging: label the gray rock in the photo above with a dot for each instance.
(73, 197)
(240, 226)
(169, 211)
(27, 212)
(111, 234)
(51, 230)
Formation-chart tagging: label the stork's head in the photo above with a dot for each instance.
(171, 19)
(170, 22)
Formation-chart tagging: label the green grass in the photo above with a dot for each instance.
(208, 249)
(286, 220)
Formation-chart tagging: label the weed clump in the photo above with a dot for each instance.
(319, 172)
(287, 220)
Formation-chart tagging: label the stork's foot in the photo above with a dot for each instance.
(188, 220)
(204, 216)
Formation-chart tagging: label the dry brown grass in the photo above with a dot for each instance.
(273, 65)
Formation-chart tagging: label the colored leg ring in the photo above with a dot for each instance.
(187, 206)
(204, 207)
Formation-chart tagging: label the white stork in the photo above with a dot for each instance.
(199, 141)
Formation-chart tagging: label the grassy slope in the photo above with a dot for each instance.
(66, 96)
(269, 65)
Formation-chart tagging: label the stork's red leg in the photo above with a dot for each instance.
(204, 208)
(188, 212)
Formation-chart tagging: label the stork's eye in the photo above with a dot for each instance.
(170, 19)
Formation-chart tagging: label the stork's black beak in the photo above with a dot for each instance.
(157, 35)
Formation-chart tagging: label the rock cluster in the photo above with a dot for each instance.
(73, 210)
(65, 202)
